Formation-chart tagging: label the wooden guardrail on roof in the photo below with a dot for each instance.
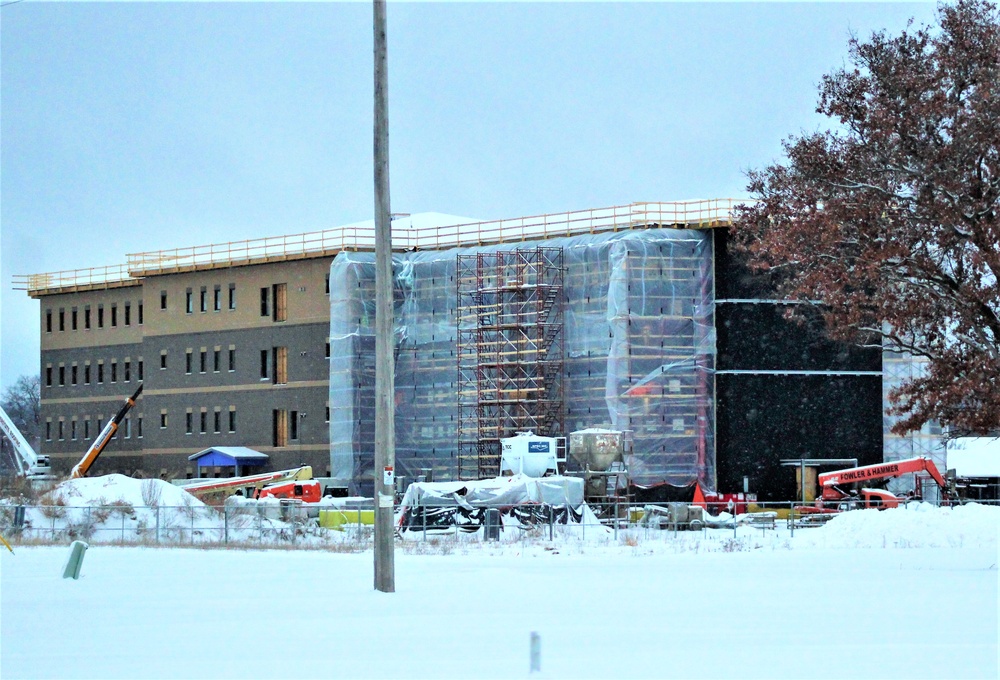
(70, 280)
(697, 214)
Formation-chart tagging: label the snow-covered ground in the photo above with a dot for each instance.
(902, 593)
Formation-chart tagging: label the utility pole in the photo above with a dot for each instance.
(385, 382)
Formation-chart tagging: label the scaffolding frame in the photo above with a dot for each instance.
(510, 351)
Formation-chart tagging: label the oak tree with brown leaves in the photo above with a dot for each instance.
(888, 224)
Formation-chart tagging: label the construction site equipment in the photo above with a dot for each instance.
(834, 496)
(252, 486)
(28, 463)
(510, 351)
(89, 458)
(528, 454)
(601, 455)
(305, 491)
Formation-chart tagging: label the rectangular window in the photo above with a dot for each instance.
(62, 375)
(128, 427)
(217, 298)
(327, 411)
(48, 430)
(62, 434)
(217, 421)
(128, 313)
(265, 363)
(114, 371)
(163, 360)
(217, 359)
(204, 422)
(203, 299)
(138, 425)
(48, 320)
(279, 428)
(72, 374)
(163, 420)
(72, 430)
(280, 360)
(86, 373)
(100, 316)
(264, 297)
(280, 301)
(189, 301)
(163, 299)
(327, 284)
(232, 419)
(100, 372)
(187, 362)
(232, 296)
(140, 370)
(140, 312)
(62, 319)
(293, 425)
(86, 428)
(48, 375)
(203, 363)
(188, 422)
(73, 319)
(114, 315)
(232, 359)
(86, 318)
(100, 424)
(127, 370)
(327, 349)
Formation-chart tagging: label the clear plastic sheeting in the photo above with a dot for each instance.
(639, 345)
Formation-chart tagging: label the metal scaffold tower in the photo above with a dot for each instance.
(510, 352)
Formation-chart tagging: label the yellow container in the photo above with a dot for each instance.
(335, 518)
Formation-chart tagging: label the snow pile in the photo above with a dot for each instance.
(120, 509)
(119, 489)
(918, 525)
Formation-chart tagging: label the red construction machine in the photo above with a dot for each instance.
(294, 483)
(835, 497)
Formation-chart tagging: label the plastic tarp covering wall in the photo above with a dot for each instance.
(639, 354)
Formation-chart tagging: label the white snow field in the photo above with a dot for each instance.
(898, 594)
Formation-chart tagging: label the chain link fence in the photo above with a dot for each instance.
(351, 528)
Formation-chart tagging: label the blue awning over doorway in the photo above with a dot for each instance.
(236, 457)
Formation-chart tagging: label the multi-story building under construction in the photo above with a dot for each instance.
(634, 318)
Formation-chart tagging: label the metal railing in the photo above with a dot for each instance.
(697, 214)
(109, 276)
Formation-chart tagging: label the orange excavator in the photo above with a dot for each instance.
(834, 496)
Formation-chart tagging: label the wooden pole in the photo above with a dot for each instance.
(385, 435)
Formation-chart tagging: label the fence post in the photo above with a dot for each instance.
(615, 521)
(225, 523)
(550, 523)
(192, 526)
(423, 518)
(123, 528)
(357, 532)
(791, 516)
(157, 508)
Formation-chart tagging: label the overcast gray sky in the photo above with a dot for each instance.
(129, 127)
